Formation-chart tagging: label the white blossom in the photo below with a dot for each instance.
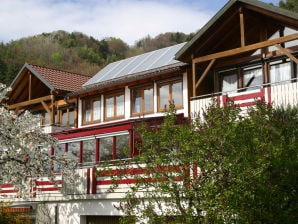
(24, 149)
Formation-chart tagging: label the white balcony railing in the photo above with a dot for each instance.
(284, 94)
(54, 128)
(280, 94)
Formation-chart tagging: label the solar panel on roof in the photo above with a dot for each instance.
(144, 62)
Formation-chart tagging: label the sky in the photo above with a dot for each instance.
(129, 20)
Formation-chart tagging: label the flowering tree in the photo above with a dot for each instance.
(24, 149)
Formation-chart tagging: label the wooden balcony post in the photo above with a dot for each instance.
(193, 77)
(242, 31)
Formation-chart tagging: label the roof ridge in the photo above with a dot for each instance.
(148, 52)
(55, 69)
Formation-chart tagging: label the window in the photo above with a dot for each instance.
(280, 72)
(114, 106)
(112, 148)
(229, 82)
(122, 146)
(170, 92)
(74, 151)
(252, 78)
(88, 152)
(106, 148)
(142, 100)
(91, 110)
(58, 151)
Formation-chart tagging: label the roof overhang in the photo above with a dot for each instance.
(39, 76)
(208, 32)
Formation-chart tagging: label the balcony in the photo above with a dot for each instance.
(52, 128)
(86, 184)
(279, 94)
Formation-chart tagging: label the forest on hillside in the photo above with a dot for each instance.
(75, 52)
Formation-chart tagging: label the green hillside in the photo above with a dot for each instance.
(74, 52)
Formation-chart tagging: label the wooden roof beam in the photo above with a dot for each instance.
(246, 48)
(29, 102)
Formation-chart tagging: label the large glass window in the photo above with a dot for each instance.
(112, 148)
(122, 146)
(177, 93)
(58, 151)
(91, 110)
(142, 100)
(114, 106)
(85, 151)
(164, 93)
(74, 151)
(106, 148)
(88, 151)
(170, 92)
(280, 72)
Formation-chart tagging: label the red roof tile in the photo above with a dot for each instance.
(61, 80)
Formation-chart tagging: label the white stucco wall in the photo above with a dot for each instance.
(75, 212)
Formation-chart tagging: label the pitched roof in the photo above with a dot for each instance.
(59, 80)
(270, 11)
(140, 64)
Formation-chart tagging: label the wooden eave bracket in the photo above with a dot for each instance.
(205, 72)
(46, 107)
(286, 52)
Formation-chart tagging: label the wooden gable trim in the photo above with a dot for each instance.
(246, 48)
